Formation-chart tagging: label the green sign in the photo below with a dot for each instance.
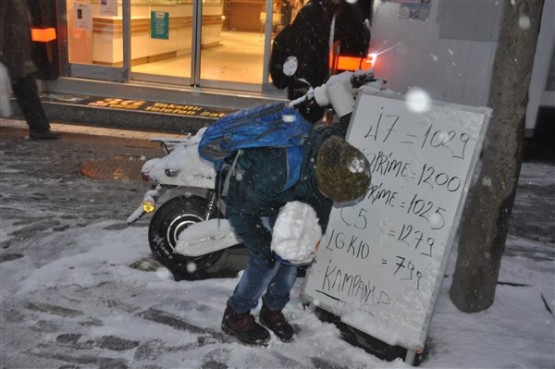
(160, 25)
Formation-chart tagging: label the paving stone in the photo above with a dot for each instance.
(116, 343)
(9, 257)
(150, 350)
(53, 309)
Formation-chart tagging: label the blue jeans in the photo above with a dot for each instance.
(257, 278)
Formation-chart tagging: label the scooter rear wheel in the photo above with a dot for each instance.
(167, 223)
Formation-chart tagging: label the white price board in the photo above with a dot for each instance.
(381, 261)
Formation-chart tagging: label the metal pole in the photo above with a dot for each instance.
(267, 39)
(126, 16)
(197, 43)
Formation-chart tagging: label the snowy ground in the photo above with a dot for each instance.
(73, 297)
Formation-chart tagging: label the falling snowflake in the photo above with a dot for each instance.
(524, 22)
(418, 100)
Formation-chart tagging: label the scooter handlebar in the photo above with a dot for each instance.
(339, 91)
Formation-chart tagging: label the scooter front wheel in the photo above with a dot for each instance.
(167, 223)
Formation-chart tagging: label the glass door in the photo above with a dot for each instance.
(204, 43)
(232, 51)
(162, 40)
(208, 43)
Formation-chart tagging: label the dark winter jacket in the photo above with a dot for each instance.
(350, 30)
(256, 191)
(15, 38)
(307, 38)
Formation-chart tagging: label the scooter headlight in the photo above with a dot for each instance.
(148, 206)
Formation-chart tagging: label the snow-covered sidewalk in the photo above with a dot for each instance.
(78, 289)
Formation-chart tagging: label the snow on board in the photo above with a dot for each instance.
(381, 262)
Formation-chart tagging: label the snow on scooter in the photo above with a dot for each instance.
(188, 232)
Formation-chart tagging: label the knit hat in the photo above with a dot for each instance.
(342, 171)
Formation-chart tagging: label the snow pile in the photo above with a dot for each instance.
(182, 166)
(357, 165)
(296, 233)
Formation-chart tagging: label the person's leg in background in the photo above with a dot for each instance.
(26, 93)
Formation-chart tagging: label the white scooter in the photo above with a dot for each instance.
(188, 233)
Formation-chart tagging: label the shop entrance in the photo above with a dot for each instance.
(201, 43)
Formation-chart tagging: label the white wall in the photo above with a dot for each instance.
(451, 70)
(540, 95)
(452, 63)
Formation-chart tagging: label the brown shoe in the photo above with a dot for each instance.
(46, 135)
(244, 328)
(275, 321)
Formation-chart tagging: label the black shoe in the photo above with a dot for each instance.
(244, 328)
(46, 135)
(275, 321)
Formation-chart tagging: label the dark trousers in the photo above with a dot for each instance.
(26, 94)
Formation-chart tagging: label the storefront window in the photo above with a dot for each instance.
(232, 41)
(95, 32)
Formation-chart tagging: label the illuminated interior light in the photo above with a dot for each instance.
(43, 34)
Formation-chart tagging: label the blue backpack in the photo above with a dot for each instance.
(273, 125)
